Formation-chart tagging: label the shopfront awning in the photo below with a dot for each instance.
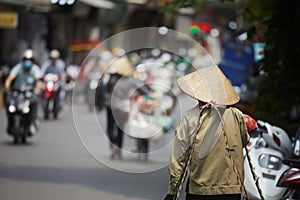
(99, 3)
(94, 3)
(27, 2)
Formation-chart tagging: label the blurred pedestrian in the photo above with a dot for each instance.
(118, 91)
(209, 140)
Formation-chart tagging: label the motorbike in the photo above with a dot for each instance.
(290, 179)
(268, 148)
(19, 110)
(51, 95)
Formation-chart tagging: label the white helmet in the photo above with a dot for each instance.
(28, 54)
(54, 54)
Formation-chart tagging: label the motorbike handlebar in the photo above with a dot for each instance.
(292, 162)
(261, 126)
(23, 89)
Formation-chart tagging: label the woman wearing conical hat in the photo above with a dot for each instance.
(209, 140)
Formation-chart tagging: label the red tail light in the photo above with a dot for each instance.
(290, 178)
(276, 140)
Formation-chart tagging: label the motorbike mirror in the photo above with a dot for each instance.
(255, 133)
(262, 127)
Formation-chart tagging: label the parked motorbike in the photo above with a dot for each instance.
(290, 179)
(51, 95)
(267, 150)
(19, 110)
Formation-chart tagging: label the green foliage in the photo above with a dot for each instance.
(276, 23)
(257, 10)
(172, 6)
(279, 90)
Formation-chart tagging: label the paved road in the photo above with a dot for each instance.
(55, 165)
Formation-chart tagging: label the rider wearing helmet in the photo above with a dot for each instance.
(24, 74)
(56, 66)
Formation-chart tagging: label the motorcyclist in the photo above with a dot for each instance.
(54, 59)
(55, 66)
(24, 74)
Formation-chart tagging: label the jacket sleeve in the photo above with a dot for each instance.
(178, 154)
(243, 127)
(244, 132)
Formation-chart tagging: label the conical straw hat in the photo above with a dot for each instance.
(209, 84)
(122, 66)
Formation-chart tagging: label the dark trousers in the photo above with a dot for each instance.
(142, 145)
(115, 124)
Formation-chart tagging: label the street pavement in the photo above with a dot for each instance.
(69, 160)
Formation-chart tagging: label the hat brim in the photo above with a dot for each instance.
(122, 66)
(209, 85)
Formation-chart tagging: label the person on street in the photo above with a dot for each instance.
(24, 74)
(118, 91)
(55, 66)
(209, 140)
(54, 59)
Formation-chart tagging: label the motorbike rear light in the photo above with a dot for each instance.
(270, 162)
(290, 178)
(276, 140)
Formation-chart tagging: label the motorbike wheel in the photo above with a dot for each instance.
(24, 139)
(46, 109)
(16, 140)
(55, 114)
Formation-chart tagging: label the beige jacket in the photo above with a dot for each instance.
(212, 174)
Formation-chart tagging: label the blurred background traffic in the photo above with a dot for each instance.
(235, 33)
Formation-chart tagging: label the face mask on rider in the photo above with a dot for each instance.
(27, 64)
